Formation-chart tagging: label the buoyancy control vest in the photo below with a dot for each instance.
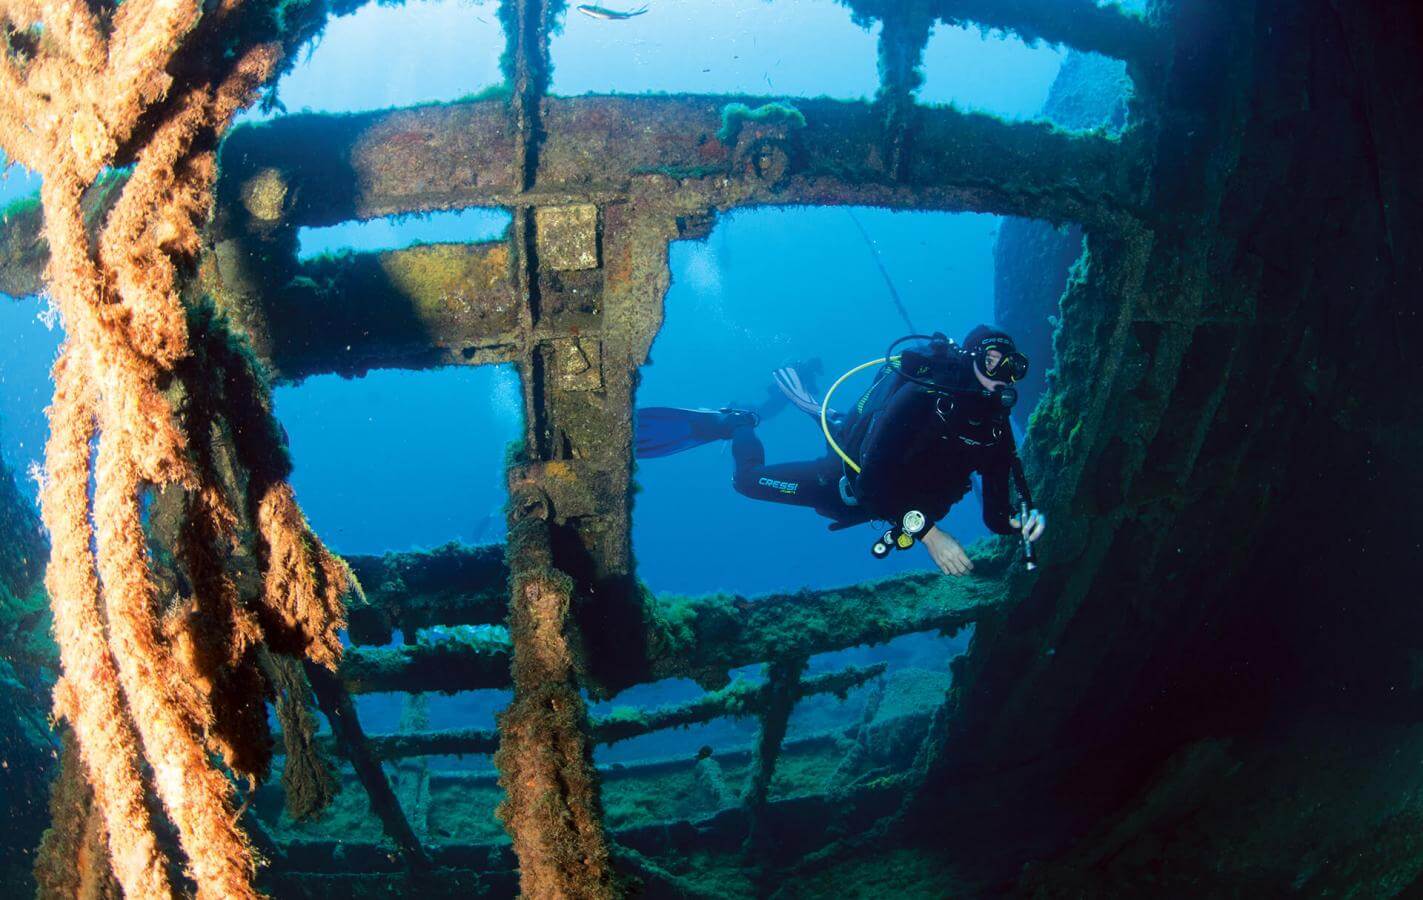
(963, 412)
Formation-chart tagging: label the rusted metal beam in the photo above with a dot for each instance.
(331, 696)
(1080, 24)
(903, 36)
(24, 252)
(738, 699)
(713, 635)
(552, 806)
(450, 585)
(460, 660)
(412, 776)
(426, 306)
(720, 832)
(734, 700)
(810, 743)
(690, 637)
(341, 168)
(782, 691)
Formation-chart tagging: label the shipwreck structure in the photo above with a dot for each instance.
(1227, 446)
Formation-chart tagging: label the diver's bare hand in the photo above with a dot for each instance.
(946, 552)
(1034, 528)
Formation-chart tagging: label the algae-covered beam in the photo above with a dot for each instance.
(697, 637)
(833, 153)
(425, 306)
(460, 660)
(823, 815)
(342, 167)
(903, 36)
(1080, 24)
(450, 585)
(737, 699)
(966, 161)
(819, 742)
(782, 690)
(24, 252)
(346, 726)
(552, 808)
(706, 637)
(528, 24)
(448, 742)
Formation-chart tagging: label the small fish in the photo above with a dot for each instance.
(602, 12)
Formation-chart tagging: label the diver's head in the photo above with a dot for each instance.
(997, 362)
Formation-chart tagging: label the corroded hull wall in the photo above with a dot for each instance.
(1242, 593)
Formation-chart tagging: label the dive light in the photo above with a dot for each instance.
(1025, 502)
(1027, 544)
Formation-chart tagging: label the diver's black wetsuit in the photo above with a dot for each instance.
(918, 454)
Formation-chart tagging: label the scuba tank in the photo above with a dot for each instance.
(937, 366)
(911, 367)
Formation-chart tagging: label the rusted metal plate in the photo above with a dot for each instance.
(567, 236)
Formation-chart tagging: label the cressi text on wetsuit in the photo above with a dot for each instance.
(917, 453)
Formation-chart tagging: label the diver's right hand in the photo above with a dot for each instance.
(946, 552)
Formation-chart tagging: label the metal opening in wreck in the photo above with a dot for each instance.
(426, 51)
(723, 331)
(473, 225)
(726, 328)
(382, 467)
(731, 47)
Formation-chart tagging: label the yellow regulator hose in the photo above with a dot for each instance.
(825, 409)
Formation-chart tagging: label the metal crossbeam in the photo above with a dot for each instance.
(337, 168)
(736, 700)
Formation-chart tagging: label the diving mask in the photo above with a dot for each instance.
(1010, 364)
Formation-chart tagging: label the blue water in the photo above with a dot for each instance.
(402, 461)
(398, 232)
(720, 47)
(426, 52)
(27, 348)
(995, 74)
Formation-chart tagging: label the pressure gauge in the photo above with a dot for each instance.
(914, 522)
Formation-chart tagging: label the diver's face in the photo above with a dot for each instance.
(991, 359)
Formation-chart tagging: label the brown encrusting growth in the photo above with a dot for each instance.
(552, 807)
(73, 857)
(153, 675)
(308, 782)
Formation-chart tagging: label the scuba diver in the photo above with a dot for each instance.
(904, 454)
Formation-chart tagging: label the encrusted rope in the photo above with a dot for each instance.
(154, 685)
